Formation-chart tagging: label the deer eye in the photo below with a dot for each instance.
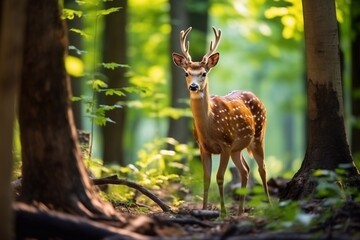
(203, 74)
(186, 74)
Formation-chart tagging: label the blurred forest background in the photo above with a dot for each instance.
(134, 102)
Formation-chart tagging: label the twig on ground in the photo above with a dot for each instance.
(117, 181)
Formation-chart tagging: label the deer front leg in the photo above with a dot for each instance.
(224, 160)
(206, 163)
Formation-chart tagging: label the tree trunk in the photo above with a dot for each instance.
(199, 20)
(53, 171)
(327, 146)
(355, 59)
(182, 16)
(12, 14)
(114, 50)
(178, 128)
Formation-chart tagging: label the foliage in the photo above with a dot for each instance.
(96, 81)
(157, 169)
(92, 77)
(308, 214)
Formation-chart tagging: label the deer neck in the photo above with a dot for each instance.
(200, 108)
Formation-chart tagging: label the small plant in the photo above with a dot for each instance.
(156, 169)
(322, 210)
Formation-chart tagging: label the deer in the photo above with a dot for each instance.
(224, 125)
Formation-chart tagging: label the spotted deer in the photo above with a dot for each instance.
(223, 125)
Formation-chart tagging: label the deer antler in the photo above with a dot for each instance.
(214, 46)
(185, 45)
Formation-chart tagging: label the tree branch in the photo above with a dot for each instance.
(115, 180)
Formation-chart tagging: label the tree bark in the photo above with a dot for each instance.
(53, 171)
(355, 96)
(114, 50)
(327, 144)
(12, 14)
(40, 223)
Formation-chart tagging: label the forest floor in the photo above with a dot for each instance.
(316, 219)
(344, 224)
(324, 218)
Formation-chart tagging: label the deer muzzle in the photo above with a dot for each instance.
(193, 87)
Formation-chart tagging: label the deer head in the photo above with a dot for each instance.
(196, 72)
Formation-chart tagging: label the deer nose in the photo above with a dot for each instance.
(193, 87)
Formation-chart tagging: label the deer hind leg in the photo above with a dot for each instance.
(224, 160)
(257, 150)
(206, 163)
(244, 171)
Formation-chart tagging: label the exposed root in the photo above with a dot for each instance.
(115, 180)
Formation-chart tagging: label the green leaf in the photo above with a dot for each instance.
(81, 2)
(110, 92)
(70, 13)
(136, 89)
(97, 84)
(76, 99)
(78, 51)
(108, 11)
(81, 32)
(100, 120)
(109, 107)
(114, 65)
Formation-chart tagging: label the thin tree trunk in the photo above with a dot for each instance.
(182, 16)
(178, 128)
(114, 50)
(11, 46)
(199, 20)
(355, 49)
(327, 146)
(53, 171)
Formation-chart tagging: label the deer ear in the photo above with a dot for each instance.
(213, 60)
(179, 60)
